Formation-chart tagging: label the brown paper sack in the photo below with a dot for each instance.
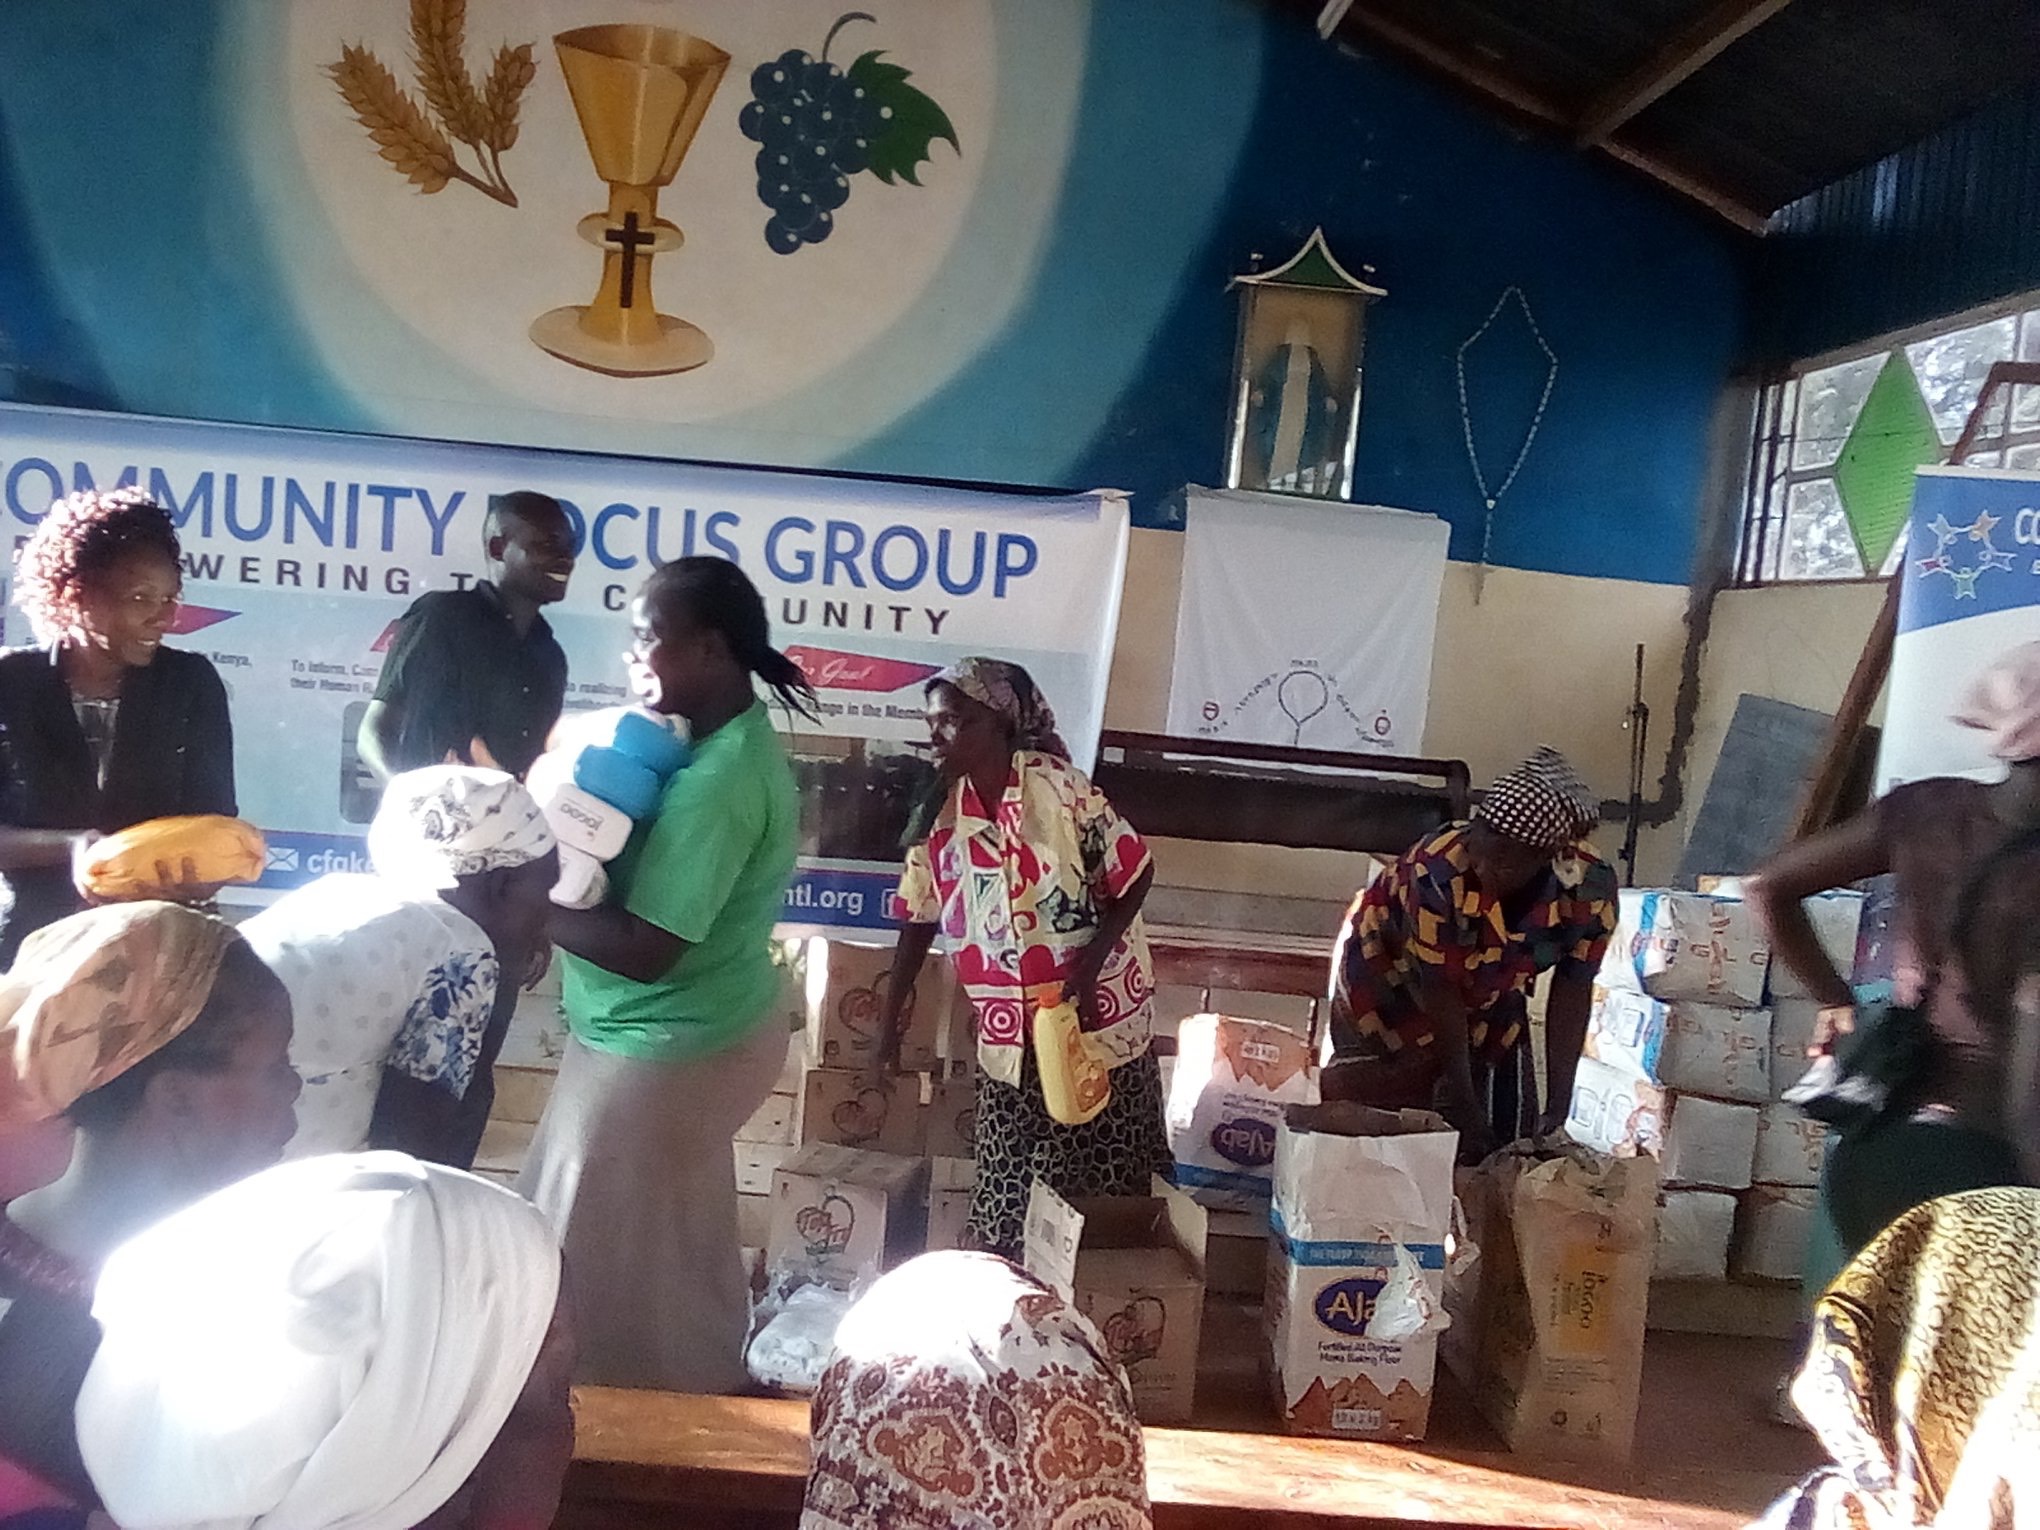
(1548, 1324)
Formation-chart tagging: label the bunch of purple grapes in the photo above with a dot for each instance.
(814, 128)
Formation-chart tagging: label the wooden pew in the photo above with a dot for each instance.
(649, 1460)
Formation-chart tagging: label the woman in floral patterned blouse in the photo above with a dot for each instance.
(1032, 879)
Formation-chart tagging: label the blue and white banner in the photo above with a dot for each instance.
(302, 549)
(1970, 590)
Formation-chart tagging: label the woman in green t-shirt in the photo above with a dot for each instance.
(669, 988)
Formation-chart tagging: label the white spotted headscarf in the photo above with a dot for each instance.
(1544, 804)
(445, 822)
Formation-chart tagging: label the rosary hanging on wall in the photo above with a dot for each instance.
(1491, 494)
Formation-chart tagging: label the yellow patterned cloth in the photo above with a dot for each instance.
(1923, 1381)
(93, 994)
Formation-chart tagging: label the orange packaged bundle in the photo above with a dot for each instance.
(133, 862)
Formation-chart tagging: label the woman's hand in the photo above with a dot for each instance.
(176, 882)
(1081, 987)
(1833, 1023)
(536, 966)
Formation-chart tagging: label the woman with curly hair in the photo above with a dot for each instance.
(101, 725)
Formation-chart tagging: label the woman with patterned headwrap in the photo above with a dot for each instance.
(1025, 869)
(963, 1392)
(165, 1040)
(1432, 973)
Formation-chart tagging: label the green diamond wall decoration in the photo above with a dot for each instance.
(1892, 435)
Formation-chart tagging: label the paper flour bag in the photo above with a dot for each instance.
(1547, 1327)
(1356, 1274)
(1226, 1096)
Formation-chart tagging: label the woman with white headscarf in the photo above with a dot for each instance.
(357, 1342)
(965, 1393)
(1431, 975)
(398, 979)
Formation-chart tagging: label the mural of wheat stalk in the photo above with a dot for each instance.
(418, 140)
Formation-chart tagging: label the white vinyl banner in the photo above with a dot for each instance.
(1306, 624)
(302, 549)
(1970, 590)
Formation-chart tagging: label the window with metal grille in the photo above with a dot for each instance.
(1836, 441)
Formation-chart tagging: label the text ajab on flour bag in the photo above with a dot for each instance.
(1356, 1276)
(1231, 1082)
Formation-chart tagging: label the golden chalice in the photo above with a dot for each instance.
(640, 93)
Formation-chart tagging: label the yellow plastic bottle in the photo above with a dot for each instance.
(1074, 1080)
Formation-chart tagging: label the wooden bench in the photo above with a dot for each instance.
(656, 1459)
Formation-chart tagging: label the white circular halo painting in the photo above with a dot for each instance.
(467, 274)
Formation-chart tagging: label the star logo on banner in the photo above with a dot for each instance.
(1963, 564)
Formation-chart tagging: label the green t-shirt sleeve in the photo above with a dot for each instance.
(694, 852)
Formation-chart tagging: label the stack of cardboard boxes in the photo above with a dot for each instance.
(1694, 1037)
(826, 1095)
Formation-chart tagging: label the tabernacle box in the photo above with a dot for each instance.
(1226, 1096)
(1548, 1323)
(1356, 1268)
(1679, 945)
(1691, 1047)
(846, 987)
(840, 1216)
(1134, 1265)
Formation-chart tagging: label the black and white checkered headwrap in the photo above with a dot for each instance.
(1542, 803)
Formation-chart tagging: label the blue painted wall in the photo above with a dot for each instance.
(1204, 132)
(1949, 224)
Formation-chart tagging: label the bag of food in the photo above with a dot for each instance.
(1074, 1080)
(220, 849)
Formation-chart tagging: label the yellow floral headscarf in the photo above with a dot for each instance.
(92, 995)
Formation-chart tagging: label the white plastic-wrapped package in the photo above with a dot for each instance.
(1686, 1045)
(792, 1349)
(1680, 945)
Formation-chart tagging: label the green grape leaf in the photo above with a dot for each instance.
(910, 124)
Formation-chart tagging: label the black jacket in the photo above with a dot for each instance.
(173, 752)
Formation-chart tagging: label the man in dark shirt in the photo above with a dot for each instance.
(476, 675)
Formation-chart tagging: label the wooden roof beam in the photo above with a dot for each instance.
(1683, 55)
(1536, 108)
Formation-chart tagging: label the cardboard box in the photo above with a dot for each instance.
(754, 1220)
(521, 1093)
(1790, 1148)
(1695, 1228)
(1837, 919)
(1772, 1234)
(1548, 1323)
(1693, 1048)
(840, 1216)
(771, 1122)
(1134, 1265)
(950, 1183)
(1613, 1111)
(1679, 945)
(1793, 1023)
(756, 1162)
(1236, 1254)
(846, 987)
(840, 1105)
(1710, 1144)
(957, 1051)
(1362, 1205)
(1227, 1092)
(950, 1112)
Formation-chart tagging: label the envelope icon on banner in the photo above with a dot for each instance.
(280, 858)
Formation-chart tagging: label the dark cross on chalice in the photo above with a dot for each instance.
(640, 93)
